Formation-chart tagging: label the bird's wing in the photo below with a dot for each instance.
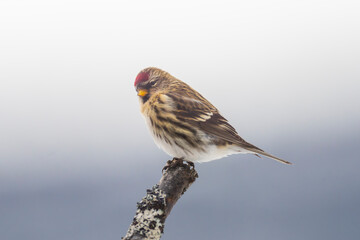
(197, 111)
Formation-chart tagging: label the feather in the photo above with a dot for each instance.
(193, 109)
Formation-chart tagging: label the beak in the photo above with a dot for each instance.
(142, 92)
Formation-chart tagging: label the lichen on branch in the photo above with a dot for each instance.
(154, 208)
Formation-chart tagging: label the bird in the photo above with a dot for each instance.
(184, 124)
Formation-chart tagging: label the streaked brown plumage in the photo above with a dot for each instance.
(183, 123)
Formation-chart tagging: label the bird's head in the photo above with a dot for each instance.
(150, 81)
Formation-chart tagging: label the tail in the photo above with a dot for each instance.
(259, 151)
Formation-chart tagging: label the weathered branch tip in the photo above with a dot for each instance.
(154, 208)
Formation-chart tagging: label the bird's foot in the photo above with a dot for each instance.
(172, 163)
(176, 162)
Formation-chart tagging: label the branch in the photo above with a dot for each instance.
(154, 208)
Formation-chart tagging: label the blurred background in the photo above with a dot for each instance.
(75, 154)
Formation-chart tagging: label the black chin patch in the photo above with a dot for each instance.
(145, 98)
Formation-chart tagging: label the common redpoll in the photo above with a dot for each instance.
(183, 123)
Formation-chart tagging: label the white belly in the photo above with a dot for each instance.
(209, 152)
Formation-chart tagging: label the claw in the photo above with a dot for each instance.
(175, 162)
(168, 164)
(191, 164)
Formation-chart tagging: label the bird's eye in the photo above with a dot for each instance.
(152, 83)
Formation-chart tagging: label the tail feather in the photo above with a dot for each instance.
(259, 151)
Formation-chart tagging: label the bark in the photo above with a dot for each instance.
(154, 208)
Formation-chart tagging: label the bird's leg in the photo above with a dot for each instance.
(176, 162)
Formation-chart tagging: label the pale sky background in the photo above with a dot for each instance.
(75, 154)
